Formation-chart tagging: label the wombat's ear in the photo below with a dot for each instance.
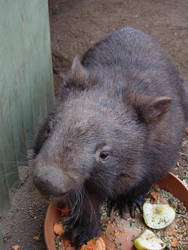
(79, 74)
(154, 109)
(78, 70)
(149, 109)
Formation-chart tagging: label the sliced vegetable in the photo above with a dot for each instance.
(58, 229)
(15, 247)
(94, 244)
(148, 241)
(158, 216)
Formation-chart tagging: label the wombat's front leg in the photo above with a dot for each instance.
(88, 224)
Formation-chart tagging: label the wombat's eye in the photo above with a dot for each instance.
(104, 155)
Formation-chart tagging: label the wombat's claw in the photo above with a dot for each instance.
(132, 208)
(134, 203)
(123, 210)
(112, 205)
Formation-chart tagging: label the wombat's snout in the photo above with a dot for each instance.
(49, 180)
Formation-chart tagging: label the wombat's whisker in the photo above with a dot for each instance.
(75, 204)
(92, 211)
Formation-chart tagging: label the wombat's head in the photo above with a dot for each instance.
(94, 139)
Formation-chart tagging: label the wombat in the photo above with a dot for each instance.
(115, 130)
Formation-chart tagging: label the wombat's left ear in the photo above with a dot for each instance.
(149, 109)
(154, 109)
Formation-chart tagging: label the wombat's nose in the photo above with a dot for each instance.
(49, 180)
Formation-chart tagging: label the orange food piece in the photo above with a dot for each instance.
(172, 234)
(58, 229)
(15, 247)
(94, 244)
(36, 237)
(186, 131)
(180, 231)
(155, 195)
(116, 233)
(174, 243)
(156, 186)
(65, 211)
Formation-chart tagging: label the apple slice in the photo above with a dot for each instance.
(148, 241)
(158, 216)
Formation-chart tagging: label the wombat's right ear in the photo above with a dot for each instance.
(78, 71)
(149, 109)
(78, 75)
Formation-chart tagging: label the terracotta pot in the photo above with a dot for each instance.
(171, 183)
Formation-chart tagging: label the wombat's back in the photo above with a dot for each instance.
(131, 58)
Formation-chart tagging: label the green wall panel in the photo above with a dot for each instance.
(26, 86)
(1, 240)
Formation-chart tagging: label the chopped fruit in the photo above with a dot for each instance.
(186, 131)
(155, 195)
(58, 229)
(36, 237)
(94, 244)
(158, 216)
(174, 243)
(148, 240)
(116, 233)
(15, 247)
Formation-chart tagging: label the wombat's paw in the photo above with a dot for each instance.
(120, 204)
(124, 203)
(81, 235)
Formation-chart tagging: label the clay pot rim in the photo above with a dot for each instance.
(171, 183)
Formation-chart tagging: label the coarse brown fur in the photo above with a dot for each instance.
(115, 129)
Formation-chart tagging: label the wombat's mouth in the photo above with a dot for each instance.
(57, 201)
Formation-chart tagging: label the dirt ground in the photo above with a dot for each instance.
(75, 26)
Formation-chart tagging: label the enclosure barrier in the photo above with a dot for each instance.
(26, 86)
